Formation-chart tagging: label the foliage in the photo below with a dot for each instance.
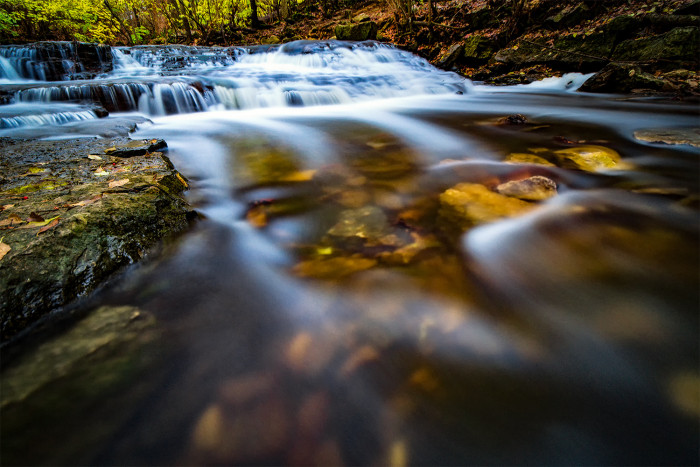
(135, 21)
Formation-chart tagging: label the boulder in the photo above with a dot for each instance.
(366, 30)
(478, 49)
(453, 56)
(621, 78)
(680, 45)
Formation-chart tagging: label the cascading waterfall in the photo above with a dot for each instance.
(302, 73)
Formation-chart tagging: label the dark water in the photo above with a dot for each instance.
(330, 309)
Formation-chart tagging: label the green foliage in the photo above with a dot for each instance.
(134, 21)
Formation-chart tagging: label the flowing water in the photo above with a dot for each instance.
(334, 307)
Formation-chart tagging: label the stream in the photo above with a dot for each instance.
(334, 307)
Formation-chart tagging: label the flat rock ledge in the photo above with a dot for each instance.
(73, 213)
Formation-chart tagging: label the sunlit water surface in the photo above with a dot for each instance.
(324, 311)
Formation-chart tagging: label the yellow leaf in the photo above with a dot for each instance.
(32, 225)
(94, 157)
(117, 183)
(100, 172)
(6, 206)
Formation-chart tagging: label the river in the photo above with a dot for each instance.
(332, 307)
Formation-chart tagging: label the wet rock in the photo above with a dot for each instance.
(333, 268)
(136, 148)
(367, 223)
(590, 158)
(571, 15)
(535, 188)
(469, 204)
(62, 355)
(515, 119)
(621, 78)
(57, 61)
(58, 380)
(689, 136)
(109, 212)
(366, 30)
(526, 158)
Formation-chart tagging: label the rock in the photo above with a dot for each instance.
(569, 53)
(368, 223)
(536, 188)
(680, 45)
(478, 49)
(692, 8)
(271, 39)
(589, 158)
(526, 158)
(60, 356)
(57, 61)
(621, 78)
(470, 204)
(101, 214)
(689, 136)
(571, 15)
(136, 148)
(366, 30)
(57, 381)
(453, 55)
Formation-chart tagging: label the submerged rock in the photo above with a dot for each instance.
(535, 188)
(75, 216)
(590, 158)
(470, 204)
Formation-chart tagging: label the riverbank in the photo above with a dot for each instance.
(635, 47)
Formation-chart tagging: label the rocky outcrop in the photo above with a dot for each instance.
(57, 61)
(73, 215)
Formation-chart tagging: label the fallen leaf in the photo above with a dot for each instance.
(50, 225)
(85, 202)
(34, 217)
(100, 172)
(94, 157)
(32, 225)
(11, 220)
(6, 206)
(117, 183)
(4, 248)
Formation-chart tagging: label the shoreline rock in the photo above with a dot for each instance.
(72, 215)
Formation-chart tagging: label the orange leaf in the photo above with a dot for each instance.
(50, 225)
(4, 249)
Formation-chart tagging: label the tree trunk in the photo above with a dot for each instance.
(254, 21)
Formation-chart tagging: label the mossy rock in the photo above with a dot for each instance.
(680, 45)
(621, 78)
(101, 214)
(478, 49)
(366, 30)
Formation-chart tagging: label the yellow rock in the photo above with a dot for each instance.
(591, 158)
(470, 204)
(525, 158)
